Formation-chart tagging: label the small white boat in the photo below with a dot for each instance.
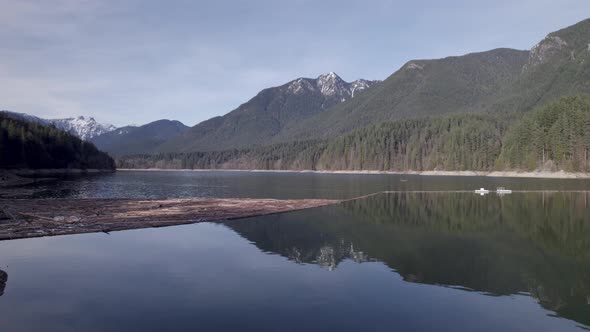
(481, 191)
(502, 190)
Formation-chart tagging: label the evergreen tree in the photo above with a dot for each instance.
(31, 145)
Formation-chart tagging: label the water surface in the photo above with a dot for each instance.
(153, 184)
(401, 261)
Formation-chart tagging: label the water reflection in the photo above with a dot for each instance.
(327, 256)
(151, 184)
(3, 280)
(537, 244)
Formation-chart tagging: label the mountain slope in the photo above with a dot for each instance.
(143, 139)
(268, 113)
(402, 145)
(85, 128)
(551, 138)
(420, 88)
(501, 80)
(26, 144)
(24, 117)
(557, 66)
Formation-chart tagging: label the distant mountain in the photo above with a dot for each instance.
(501, 80)
(325, 107)
(137, 140)
(420, 88)
(551, 138)
(108, 138)
(267, 114)
(85, 128)
(24, 117)
(397, 124)
(557, 66)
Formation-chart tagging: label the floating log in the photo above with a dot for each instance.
(25, 218)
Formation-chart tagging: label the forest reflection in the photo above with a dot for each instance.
(533, 243)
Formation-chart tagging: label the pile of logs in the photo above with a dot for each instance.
(23, 218)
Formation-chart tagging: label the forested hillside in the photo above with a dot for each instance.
(454, 142)
(420, 88)
(267, 114)
(462, 141)
(26, 144)
(503, 80)
(557, 66)
(500, 80)
(423, 117)
(142, 139)
(554, 137)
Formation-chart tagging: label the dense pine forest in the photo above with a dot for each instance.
(554, 137)
(31, 145)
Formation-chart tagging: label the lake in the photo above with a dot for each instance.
(427, 257)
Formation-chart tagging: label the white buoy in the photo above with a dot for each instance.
(482, 191)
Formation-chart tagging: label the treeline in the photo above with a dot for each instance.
(26, 144)
(296, 155)
(554, 137)
(454, 142)
(463, 141)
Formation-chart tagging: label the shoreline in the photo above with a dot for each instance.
(56, 171)
(22, 176)
(503, 174)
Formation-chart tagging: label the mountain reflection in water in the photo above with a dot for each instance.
(533, 243)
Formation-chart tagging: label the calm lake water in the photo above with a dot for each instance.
(438, 261)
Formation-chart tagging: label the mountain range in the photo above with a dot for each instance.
(255, 122)
(265, 117)
(138, 139)
(502, 82)
(84, 127)
(29, 143)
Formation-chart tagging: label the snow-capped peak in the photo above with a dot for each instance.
(331, 84)
(85, 128)
(329, 76)
(299, 85)
(360, 85)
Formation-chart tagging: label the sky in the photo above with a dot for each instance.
(136, 61)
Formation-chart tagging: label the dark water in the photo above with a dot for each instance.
(395, 262)
(148, 184)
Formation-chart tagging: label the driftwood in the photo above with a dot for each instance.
(48, 217)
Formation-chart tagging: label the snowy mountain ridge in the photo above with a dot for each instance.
(85, 128)
(330, 85)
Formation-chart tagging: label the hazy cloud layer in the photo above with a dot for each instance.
(138, 61)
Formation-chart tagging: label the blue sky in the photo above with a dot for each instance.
(136, 61)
